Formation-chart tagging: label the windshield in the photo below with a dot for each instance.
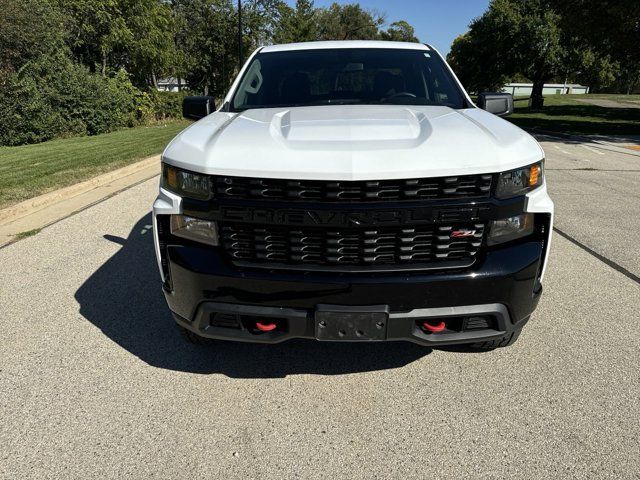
(346, 76)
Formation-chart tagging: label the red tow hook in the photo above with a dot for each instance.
(434, 327)
(266, 327)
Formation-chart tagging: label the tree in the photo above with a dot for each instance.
(299, 24)
(259, 20)
(207, 41)
(536, 44)
(22, 39)
(94, 29)
(129, 34)
(513, 37)
(585, 65)
(349, 22)
(400, 31)
(306, 23)
(147, 49)
(610, 31)
(477, 67)
(593, 42)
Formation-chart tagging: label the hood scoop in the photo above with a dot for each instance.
(349, 126)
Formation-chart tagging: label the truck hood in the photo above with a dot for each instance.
(354, 142)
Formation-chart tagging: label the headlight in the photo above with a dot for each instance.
(203, 231)
(186, 184)
(507, 229)
(520, 181)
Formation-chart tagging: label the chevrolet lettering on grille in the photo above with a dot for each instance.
(416, 216)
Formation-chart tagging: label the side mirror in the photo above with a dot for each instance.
(500, 104)
(195, 108)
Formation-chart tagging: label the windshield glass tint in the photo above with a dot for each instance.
(346, 76)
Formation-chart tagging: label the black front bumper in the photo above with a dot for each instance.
(503, 287)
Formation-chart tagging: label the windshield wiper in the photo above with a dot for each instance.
(339, 101)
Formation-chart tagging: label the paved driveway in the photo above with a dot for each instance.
(597, 197)
(95, 382)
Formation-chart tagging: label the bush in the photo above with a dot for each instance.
(152, 105)
(56, 97)
(26, 116)
(59, 98)
(167, 105)
(89, 103)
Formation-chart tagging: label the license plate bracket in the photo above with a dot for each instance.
(351, 324)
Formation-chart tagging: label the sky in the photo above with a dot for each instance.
(437, 22)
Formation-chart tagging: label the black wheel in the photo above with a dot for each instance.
(194, 338)
(501, 342)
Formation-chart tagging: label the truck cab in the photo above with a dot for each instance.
(352, 191)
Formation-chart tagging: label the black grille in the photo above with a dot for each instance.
(468, 186)
(456, 245)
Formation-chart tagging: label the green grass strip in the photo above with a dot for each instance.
(570, 114)
(30, 170)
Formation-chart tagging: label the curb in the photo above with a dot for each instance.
(33, 205)
(32, 215)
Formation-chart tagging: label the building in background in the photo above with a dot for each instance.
(171, 84)
(524, 89)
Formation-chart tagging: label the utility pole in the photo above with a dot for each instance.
(239, 35)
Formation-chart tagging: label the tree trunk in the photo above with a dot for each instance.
(631, 87)
(537, 100)
(154, 80)
(104, 62)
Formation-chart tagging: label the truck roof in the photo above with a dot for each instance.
(344, 44)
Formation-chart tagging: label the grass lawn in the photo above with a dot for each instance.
(30, 170)
(566, 114)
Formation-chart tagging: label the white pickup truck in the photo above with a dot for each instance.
(352, 191)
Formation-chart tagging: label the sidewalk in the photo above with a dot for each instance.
(629, 144)
(39, 212)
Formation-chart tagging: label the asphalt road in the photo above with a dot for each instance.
(597, 198)
(96, 383)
